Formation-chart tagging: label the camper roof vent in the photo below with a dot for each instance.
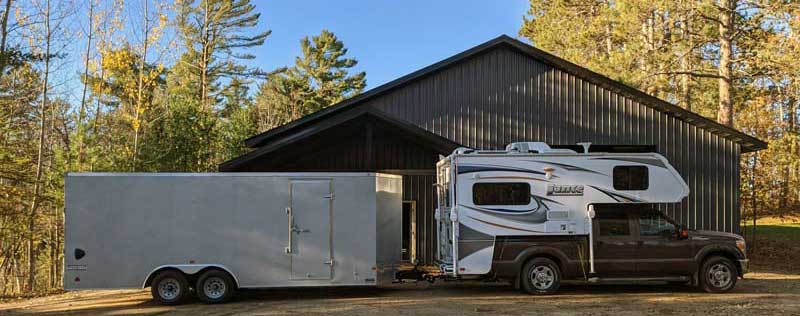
(528, 147)
(463, 150)
(534, 147)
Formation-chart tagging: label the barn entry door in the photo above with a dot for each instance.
(310, 229)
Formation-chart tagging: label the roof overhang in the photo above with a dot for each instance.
(436, 142)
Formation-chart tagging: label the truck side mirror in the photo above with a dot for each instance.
(683, 232)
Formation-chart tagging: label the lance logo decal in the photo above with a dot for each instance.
(561, 189)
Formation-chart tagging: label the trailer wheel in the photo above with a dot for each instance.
(540, 276)
(169, 287)
(214, 287)
(718, 275)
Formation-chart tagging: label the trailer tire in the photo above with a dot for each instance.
(718, 275)
(540, 276)
(215, 287)
(170, 287)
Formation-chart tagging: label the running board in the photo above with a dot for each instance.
(636, 280)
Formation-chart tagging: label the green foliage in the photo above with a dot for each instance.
(319, 78)
(671, 49)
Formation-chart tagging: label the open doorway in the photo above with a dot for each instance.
(409, 231)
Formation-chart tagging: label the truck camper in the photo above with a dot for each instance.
(535, 215)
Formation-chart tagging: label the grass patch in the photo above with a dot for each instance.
(777, 244)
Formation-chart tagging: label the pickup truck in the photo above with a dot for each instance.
(631, 244)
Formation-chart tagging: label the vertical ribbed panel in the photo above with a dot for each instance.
(502, 96)
(419, 188)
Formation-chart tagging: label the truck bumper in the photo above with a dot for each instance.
(744, 266)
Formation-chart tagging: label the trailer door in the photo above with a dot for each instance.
(310, 226)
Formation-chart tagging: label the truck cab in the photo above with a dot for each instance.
(640, 241)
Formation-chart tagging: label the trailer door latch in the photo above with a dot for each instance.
(329, 196)
(329, 262)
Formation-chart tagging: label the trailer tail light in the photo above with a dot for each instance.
(77, 279)
(684, 233)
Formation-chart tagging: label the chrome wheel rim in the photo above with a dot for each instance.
(214, 288)
(719, 275)
(542, 277)
(169, 289)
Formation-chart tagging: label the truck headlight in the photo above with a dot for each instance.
(741, 245)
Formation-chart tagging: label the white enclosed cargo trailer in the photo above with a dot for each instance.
(217, 232)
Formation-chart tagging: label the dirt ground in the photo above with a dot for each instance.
(759, 294)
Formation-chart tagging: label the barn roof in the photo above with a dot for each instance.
(748, 143)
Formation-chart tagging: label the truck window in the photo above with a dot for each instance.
(652, 224)
(613, 224)
(631, 178)
(497, 193)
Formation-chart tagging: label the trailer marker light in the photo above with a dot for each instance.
(462, 269)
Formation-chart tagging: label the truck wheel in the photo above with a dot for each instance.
(169, 287)
(214, 287)
(540, 276)
(718, 275)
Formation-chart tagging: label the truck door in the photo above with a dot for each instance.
(615, 244)
(660, 252)
(310, 229)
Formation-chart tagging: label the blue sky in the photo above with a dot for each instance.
(388, 38)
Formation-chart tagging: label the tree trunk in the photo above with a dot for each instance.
(82, 109)
(139, 106)
(686, 61)
(37, 186)
(725, 111)
(4, 38)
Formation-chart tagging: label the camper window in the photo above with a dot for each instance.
(499, 193)
(631, 178)
(444, 185)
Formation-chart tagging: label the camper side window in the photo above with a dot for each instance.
(631, 178)
(498, 193)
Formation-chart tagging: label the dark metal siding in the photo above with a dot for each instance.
(504, 96)
(419, 188)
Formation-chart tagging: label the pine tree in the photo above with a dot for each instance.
(214, 34)
(319, 78)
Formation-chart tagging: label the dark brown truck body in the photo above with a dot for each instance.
(626, 246)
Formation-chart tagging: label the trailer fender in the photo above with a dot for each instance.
(188, 269)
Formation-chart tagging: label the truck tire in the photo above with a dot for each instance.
(540, 276)
(170, 287)
(718, 275)
(214, 287)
